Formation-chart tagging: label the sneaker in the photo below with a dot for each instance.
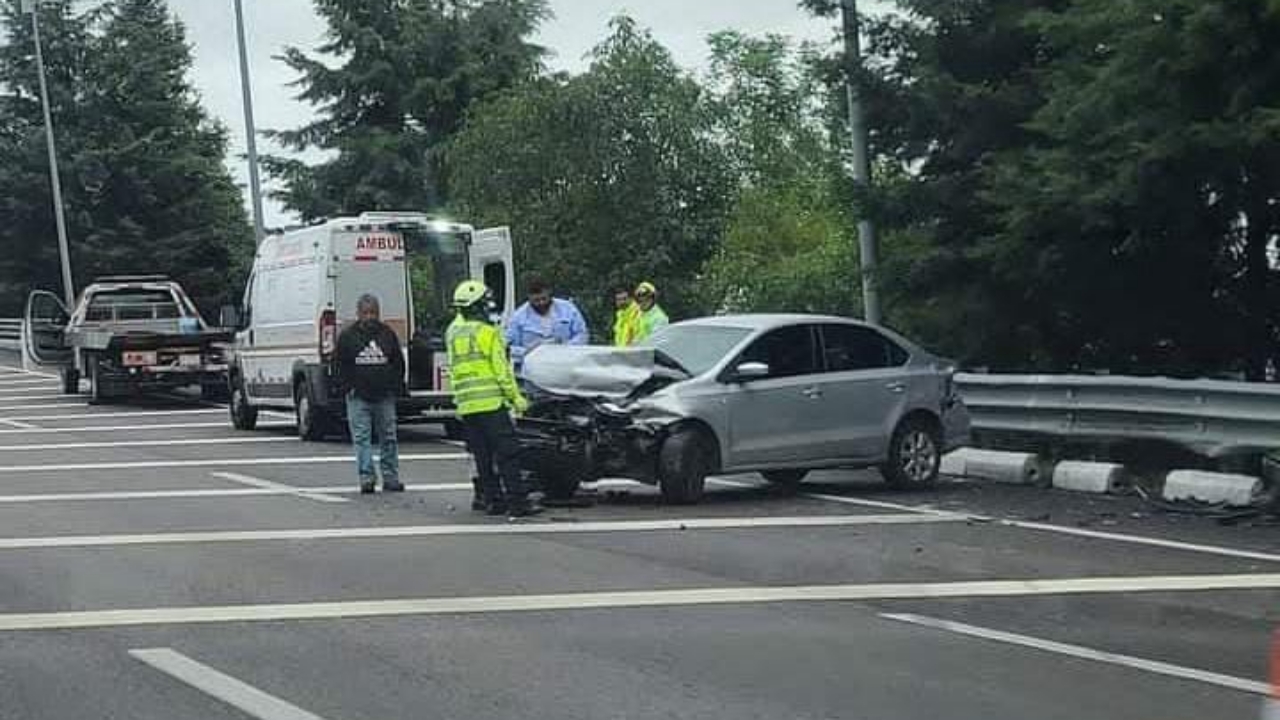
(394, 486)
(367, 487)
(495, 509)
(478, 504)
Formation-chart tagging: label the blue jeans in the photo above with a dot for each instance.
(370, 419)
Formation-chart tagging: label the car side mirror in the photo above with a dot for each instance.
(748, 371)
(229, 317)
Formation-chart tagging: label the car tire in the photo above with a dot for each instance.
(685, 461)
(244, 416)
(100, 390)
(915, 455)
(312, 421)
(70, 381)
(789, 479)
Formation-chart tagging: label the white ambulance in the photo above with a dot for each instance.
(303, 292)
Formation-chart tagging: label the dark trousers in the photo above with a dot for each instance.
(491, 438)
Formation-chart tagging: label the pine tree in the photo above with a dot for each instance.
(410, 71)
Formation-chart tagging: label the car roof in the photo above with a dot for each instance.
(768, 321)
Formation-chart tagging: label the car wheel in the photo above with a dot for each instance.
(243, 415)
(70, 381)
(311, 419)
(915, 455)
(100, 390)
(786, 478)
(686, 459)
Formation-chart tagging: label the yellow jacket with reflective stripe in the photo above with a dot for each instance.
(626, 325)
(480, 374)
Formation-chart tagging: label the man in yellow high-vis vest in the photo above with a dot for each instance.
(485, 393)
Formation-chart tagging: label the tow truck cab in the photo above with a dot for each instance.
(303, 292)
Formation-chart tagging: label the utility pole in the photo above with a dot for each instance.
(59, 215)
(867, 245)
(250, 130)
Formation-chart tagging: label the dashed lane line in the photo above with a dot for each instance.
(16, 426)
(291, 490)
(124, 414)
(225, 688)
(1084, 653)
(465, 529)
(219, 463)
(704, 597)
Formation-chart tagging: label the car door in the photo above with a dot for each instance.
(776, 420)
(865, 377)
(44, 341)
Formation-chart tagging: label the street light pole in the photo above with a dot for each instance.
(59, 216)
(251, 133)
(867, 245)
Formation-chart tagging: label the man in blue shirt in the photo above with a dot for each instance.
(543, 320)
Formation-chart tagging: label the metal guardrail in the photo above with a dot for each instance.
(11, 334)
(1212, 418)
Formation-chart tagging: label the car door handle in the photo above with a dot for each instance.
(897, 387)
(812, 393)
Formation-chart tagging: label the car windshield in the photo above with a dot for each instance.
(697, 348)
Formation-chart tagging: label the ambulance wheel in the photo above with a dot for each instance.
(243, 415)
(100, 390)
(313, 424)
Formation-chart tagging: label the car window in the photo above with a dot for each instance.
(697, 348)
(852, 347)
(788, 352)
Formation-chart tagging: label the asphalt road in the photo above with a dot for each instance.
(154, 563)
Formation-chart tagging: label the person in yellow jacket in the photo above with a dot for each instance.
(486, 394)
(650, 317)
(626, 317)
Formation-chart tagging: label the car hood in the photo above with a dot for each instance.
(595, 372)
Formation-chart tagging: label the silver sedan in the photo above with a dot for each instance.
(777, 394)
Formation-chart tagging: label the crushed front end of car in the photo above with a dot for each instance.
(588, 417)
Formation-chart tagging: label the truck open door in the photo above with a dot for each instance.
(493, 261)
(44, 337)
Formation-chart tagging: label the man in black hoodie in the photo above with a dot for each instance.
(371, 368)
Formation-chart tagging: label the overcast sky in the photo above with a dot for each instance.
(681, 25)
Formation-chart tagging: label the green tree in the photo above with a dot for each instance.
(142, 164)
(1149, 199)
(609, 178)
(787, 246)
(408, 72)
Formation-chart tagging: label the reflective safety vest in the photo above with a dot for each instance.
(650, 321)
(480, 374)
(626, 325)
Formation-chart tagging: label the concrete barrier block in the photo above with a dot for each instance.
(1213, 488)
(1088, 477)
(1006, 467)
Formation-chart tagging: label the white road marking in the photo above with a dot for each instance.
(54, 399)
(107, 496)
(151, 443)
(261, 484)
(131, 428)
(18, 426)
(75, 403)
(229, 462)
(239, 695)
(13, 379)
(1084, 653)
(421, 531)
(626, 599)
(126, 414)
(34, 393)
(1043, 527)
(114, 495)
